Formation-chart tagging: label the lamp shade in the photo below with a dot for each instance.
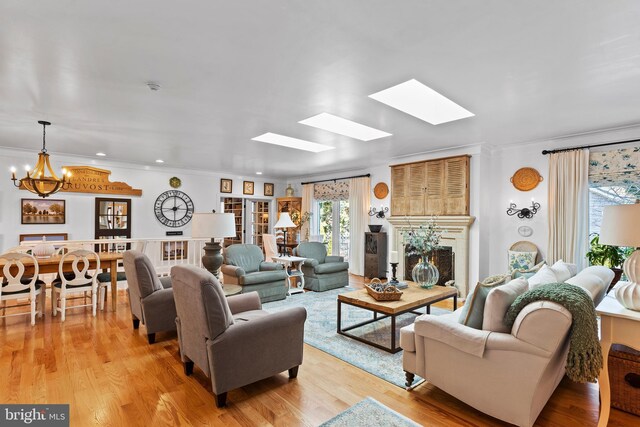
(213, 225)
(620, 225)
(284, 221)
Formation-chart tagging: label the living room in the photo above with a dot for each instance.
(161, 114)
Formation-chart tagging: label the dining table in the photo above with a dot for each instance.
(108, 261)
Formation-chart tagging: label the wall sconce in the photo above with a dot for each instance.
(378, 214)
(524, 212)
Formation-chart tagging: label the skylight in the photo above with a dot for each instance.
(412, 97)
(344, 127)
(287, 141)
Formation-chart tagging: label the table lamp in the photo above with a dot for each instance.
(215, 226)
(620, 227)
(284, 222)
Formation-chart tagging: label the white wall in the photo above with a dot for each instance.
(382, 173)
(202, 187)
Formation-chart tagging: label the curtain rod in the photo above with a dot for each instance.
(337, 179)
(562, 150)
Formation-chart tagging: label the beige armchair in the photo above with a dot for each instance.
(508, 375)
(233, 341)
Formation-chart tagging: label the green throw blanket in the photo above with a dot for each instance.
(584, 360)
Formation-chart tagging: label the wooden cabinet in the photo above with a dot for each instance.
(434, 187)
(375, 255)
(293, 205)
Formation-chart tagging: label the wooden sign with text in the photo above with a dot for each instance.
(86, 179)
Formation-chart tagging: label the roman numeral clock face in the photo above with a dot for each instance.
(173, 208)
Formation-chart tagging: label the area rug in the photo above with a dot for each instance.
(369, 412)
(320, 332)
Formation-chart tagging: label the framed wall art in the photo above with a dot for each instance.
(226, 185)
(268, 189)
(39, 211)
(247, 187)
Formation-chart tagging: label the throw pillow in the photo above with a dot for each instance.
(562, 271)
(542, 277)
(498, 302)
(473, 311)
(521, 260)
(527, 273)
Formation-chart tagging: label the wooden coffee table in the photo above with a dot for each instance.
(413, 298)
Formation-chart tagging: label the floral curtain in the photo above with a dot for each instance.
(616, 167)
(337, 190)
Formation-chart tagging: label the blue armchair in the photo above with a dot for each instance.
(322, 272)
(244, 265)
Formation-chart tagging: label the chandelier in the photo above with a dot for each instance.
(37, 180)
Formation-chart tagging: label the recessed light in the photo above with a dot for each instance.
(159, 161)
(100, 154)
(344, 127)
(287, 141)
(412, 97)
(258, 173)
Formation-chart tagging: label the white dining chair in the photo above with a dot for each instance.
(15, 285)
(104, 279)
(79, 280)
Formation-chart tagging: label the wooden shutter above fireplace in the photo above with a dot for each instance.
(434, 187)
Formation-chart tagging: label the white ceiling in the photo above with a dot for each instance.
(233, 70)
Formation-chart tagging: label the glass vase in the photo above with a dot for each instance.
(425, 274)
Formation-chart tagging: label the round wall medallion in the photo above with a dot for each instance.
(525, 231)
(380, 190)
(175, 182)
(526, 179)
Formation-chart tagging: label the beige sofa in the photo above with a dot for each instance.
(509, 376)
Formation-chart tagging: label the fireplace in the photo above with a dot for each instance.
(453, 263)
(443, 258)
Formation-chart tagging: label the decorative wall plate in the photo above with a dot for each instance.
(381, 190)
(526, 179)
(525, 231)
(175, 182)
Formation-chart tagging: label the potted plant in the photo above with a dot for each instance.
(606, 255)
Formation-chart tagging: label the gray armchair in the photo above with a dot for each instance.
(322, 272)
(150, 296)
(244, 265)
(232, 340)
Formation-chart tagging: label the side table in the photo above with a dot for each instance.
(296, 262)
(231, 290)
(618, 326)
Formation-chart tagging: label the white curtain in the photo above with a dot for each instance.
(569, 207)
(309, 205)
(359, 202)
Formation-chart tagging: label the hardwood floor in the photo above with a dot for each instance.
(111, 376)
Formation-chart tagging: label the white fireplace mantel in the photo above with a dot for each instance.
(455, 233)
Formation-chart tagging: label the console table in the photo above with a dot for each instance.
(618, 326)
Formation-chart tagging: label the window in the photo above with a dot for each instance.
(614, 179)
(599, 197)
(333, 226)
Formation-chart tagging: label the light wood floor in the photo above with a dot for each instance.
(110, 376)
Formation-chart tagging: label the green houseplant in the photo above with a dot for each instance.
(606, 255)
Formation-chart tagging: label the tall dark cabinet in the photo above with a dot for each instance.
(375, 255)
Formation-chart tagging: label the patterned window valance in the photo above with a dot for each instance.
(338, 190)
(616, 167)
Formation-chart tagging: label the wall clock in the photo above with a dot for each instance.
(173, 208)
(380, 190)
